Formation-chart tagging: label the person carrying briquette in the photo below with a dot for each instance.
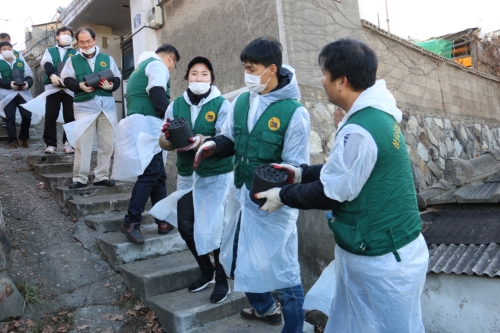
(14, 94)
(57, 94)
(266, 125)
(201, 193)
(381, 257)
(138, 157)
(94, 109)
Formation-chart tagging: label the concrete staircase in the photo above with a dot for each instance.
(159, 271)
(4, 138)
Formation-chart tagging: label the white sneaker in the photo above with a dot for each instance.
(67, 148)
(50, 150)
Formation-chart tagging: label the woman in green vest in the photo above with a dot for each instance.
(201, 194)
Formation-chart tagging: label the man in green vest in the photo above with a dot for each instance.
(136, 158)
(381, 257)
(94, 109)
(51, 59)
(5, 37)
(265, 125)
(13, 94)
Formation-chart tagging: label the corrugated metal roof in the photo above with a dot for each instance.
(465, 259)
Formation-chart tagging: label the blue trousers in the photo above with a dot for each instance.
(291, 300)
(151, 184)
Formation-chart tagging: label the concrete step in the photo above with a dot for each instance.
(3, 132)
(182, 311)
(119, 250)
(108, 222)
(98, 204)
(161, 275)
(49, 159)
(53, 180)
(64, 193)
(52, 168)
(237, 324)
(34, 138)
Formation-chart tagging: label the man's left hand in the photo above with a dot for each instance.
(105, 84)
(195, 143)
(273, 202)
(24, 86)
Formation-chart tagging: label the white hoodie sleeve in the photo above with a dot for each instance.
(228, 128)
(157, 74)
(222, 117)
(350, 163)
(47, 57)
(296, 150)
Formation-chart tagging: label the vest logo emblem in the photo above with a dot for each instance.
(397, 136)
(16, 55)
(103, 64)
(70, 55)
(274, 124)
(19, 64)
(210, 116)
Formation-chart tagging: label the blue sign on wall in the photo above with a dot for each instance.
(137, 20)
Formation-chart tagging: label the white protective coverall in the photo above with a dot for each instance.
(367, 294)
(37, 104)
(137, 134)
(7, 95)
(209, 193)
(267, 255)
(88, 111)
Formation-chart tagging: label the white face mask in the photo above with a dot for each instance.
(65, 39)
(89, 51)
(253, 82)
(199, 88)
(8, 54)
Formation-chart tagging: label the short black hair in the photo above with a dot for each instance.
(4, 35)
(167, 48)
(201, 60)
(350, 58)
(2, 44)
(91, 32)
(263, 50)
(65, 28)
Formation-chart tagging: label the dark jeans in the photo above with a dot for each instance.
(52, 107)
(291, 300)
(10, 115)
(151, 184)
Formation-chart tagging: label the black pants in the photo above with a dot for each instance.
(151, 184)
(10, 115)
(52, 107)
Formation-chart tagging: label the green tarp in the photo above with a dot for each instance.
(442, 47)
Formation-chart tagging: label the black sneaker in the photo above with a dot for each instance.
(77, 185)
(201, 283)
(274, 318)
(164, 228)
(221, 290)
(105, 182)
(133, 232)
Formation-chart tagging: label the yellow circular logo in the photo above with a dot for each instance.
(274, 124)
(19, 64)
(103, 64)
(210, 116)
(70, 55)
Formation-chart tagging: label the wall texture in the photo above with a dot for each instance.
(460, 303)
(219, 30)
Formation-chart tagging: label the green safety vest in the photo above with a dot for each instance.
(138, 100)
(5, 68)
(168, 91)
(264, 145)
(384, 216)
(204, 125)
(82, 68)
(17, 54)
(56, 59)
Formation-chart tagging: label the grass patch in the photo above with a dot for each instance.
(30, 293)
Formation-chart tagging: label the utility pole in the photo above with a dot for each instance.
(387, 13)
